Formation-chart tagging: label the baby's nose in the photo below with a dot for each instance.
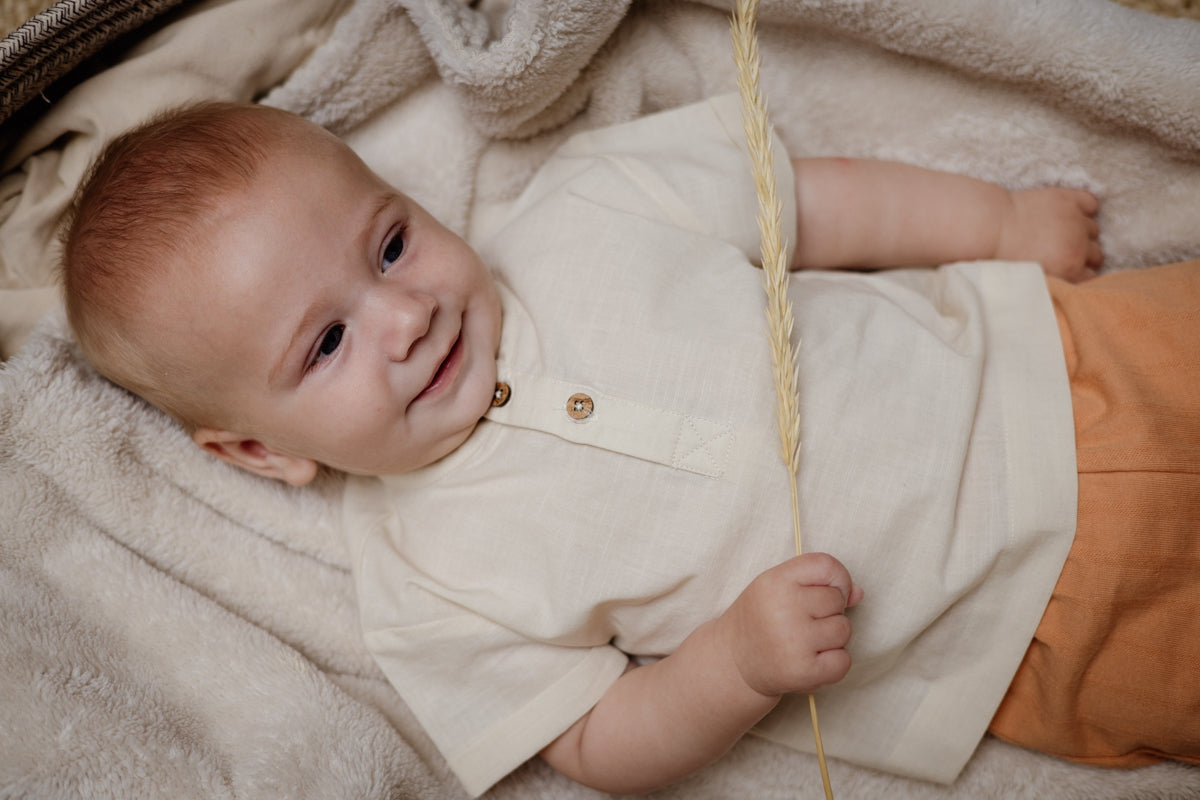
(405, 321)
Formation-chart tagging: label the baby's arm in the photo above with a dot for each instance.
(787, 632)
(863, 213)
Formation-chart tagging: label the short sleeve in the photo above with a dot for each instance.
(688, 167)
(489, 697)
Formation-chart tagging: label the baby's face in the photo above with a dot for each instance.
(343, 324)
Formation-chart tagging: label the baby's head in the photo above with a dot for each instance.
(243, 270)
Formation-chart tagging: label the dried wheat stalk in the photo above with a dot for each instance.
(775, 278)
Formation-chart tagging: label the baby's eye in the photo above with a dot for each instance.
(393, 251)
(330, 341)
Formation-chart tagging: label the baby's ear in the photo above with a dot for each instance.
(253, 455)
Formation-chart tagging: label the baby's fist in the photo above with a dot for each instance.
(1055, 227)
(788, 631)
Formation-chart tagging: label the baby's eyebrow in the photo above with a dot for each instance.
(382, 202)
(306, 322)
(366, 238)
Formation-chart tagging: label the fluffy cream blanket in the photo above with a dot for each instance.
(172, 628)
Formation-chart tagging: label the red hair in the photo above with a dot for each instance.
(136, 215)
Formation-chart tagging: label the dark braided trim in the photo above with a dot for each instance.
(54, 42)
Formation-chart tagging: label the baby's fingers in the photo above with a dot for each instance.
(1086, 201)
(829, 667)
(822, 569)
(829, 660)
(830, 632)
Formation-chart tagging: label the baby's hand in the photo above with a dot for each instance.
(787, 631)
(1054, 227)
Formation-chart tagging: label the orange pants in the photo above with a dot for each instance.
(1112, 676)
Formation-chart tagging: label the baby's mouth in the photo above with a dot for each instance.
(445, 371)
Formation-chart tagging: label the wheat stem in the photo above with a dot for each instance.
(775, 279)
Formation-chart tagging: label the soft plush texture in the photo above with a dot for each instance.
(173, 628)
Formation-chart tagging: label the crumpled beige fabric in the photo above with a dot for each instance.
(20, 309)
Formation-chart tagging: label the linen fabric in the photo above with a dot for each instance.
(1112, 676)
(503, 589)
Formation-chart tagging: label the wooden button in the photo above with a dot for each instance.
(501, 395)
(580, 406)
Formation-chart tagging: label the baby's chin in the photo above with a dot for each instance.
(409, 462)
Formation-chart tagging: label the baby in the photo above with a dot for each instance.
(567, 520)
